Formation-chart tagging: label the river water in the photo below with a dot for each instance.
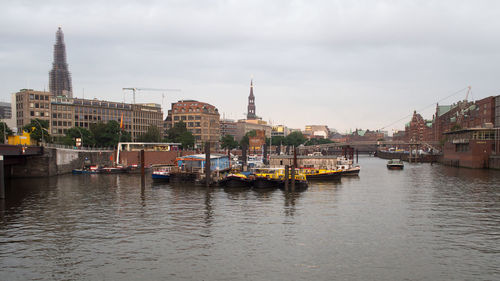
(423, 223)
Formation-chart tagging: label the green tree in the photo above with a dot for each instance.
(227, 141)
(4, 132)
(78, 132)
(179, 133)
(295, 138)
(186, 139)
(38, 129)
(106, 134)
(153, 134)
(277, 140)
(245, 140)
(315, 141)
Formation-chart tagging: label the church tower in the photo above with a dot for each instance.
(251, 104)
(59, 76)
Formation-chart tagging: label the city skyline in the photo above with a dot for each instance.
(341, 64)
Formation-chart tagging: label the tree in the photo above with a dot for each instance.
(4, 132)
(179, 133)
(245, 140)
(78, 132)
(227, 141)
(38, 129)
(295, 138)
(106, 134)
(186, 139)
(316, 141)
(278, 140)
(153, 134)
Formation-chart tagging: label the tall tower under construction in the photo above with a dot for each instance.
(59, 76)
(251, 104)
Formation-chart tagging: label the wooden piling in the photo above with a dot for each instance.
(287, 176)
(143, 179)
(208, 174)
(293, 178)
(357, 155)
(2, 181)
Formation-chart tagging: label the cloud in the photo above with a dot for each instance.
(347, 64)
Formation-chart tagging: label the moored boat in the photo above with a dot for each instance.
(243, 179)
(321, 174)
(395, 164)
(346, 167)
(161, 172)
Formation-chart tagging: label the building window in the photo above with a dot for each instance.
(461, 147)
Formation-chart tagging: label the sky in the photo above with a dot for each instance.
(346, 64)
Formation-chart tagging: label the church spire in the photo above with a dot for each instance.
(59, 76)
(251, 104)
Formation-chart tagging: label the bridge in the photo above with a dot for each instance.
(368, 146)
(14, 154)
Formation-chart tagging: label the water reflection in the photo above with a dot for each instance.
(110, 227)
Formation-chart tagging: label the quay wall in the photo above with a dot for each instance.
(494, 162)
(425, 158)
(58, 161)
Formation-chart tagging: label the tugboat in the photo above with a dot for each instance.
(267, 178)
(347, 168)
(242, 179)
(395, 164)
(321, 174)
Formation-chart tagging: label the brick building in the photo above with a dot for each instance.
(201, 119)
(418, 129)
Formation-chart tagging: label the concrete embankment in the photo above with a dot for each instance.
(58, 161)
(425, 158)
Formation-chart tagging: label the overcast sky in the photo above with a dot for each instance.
(347, 64)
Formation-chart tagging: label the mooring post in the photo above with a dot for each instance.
(143, 179)
(357, 155)
(207, 164)
(142, 162)
(244, 156)
(293, 178)
(2, 181)
(287, 176)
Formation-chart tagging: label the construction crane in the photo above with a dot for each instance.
(468, 92)
(149, 89)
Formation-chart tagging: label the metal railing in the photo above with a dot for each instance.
(88, 148)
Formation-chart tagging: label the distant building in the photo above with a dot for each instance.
(279, 131)
(63, 113)
(245, 126)
(228, 127)
(5, 110)
(365, 135)
(201, 119)
(256, 143)
(317, 131)
(251, 104)
(59, 76)
(418, 129)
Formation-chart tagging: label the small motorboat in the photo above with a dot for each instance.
(161, 172)
(395, 164)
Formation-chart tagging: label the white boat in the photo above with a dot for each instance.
(346, 166)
